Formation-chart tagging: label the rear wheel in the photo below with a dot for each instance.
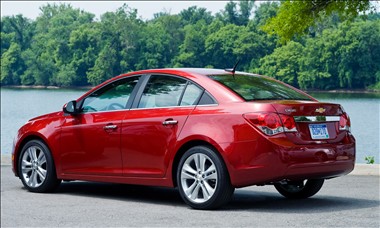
(299, 189)
(203, 179)
(36, 167)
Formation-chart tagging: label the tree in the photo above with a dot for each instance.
(84, 44)
(120, 34)
(172, 31)
(232, 15)
(192, 50)
(11, 65)
(283, 63)
(155, 48)
(294, 17)
(232, 43)
(343, 57)
(16, 35)
(194, 14)
(246, 7)
(50, 54)
(21, 27)
(104, 67)
(265, 11)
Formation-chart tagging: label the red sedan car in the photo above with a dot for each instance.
(205, 131)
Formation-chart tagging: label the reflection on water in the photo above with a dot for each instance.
(20, 105)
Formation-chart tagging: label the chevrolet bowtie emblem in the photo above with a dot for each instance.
(320, 110)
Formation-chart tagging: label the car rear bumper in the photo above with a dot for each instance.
(286, 161)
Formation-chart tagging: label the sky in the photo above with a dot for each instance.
(145, 9)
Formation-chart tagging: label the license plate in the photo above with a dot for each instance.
(318, 131)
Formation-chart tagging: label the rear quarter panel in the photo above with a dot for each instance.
(224, 127)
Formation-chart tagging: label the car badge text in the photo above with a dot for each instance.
(290, 110)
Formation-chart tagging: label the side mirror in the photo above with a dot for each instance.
(70, 108)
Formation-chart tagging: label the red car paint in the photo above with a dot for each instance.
(141, 150)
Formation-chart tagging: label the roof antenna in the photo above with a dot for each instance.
(233, 69)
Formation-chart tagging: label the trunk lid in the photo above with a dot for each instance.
(316, 122)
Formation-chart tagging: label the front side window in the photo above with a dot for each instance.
(111, 97)
(255, 87)
(162, 91)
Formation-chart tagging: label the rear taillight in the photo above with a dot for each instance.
(344, 122)
(271, 123)
(289, 123)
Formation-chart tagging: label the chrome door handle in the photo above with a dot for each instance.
(169, 122)
(110, 127)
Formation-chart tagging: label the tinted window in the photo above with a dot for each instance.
(162, 91)
(206, 99)
(191, 95)
(111, 97)
(255, 87)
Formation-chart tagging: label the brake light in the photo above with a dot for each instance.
(289, 123)
(344, 122)
(271, 123)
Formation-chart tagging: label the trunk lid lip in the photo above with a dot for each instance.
(307, 108)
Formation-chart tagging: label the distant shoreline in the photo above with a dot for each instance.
(343, 91)
(90, 87)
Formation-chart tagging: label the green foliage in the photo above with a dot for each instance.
(65, 46)
(283, 63)
(345, 57)
(237, 13)
(194, 14)
(192, 50)
(295, 17)
(11, 64)
(370, 159)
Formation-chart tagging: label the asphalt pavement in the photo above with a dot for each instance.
(349, 201)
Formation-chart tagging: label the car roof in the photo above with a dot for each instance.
(198, 75)
(187, 71)
(203, 71)
(181, 71)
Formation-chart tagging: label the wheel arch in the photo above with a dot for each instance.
(21, 146)
(186, 146)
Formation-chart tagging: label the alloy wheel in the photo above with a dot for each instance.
(199, 178)
(34, 166)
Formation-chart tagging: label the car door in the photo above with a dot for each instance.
(90, 140)
(150, 129)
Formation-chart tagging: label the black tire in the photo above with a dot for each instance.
(299, 189)
(211, 180)
(36, 167)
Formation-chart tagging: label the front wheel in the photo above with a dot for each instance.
(299, 189)
(36, 167)
(203, 180)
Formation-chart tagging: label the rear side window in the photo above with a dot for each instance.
(206, 99)
(191, 95)
(255, 87)
(162, 91)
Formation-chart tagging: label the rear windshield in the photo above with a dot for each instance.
(256, 87)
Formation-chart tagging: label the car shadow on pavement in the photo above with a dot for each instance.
(148, 194)
(273, 202)
(243, 200)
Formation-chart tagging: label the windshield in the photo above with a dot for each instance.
(256, 87)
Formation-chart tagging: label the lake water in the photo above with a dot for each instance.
(20, 105)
